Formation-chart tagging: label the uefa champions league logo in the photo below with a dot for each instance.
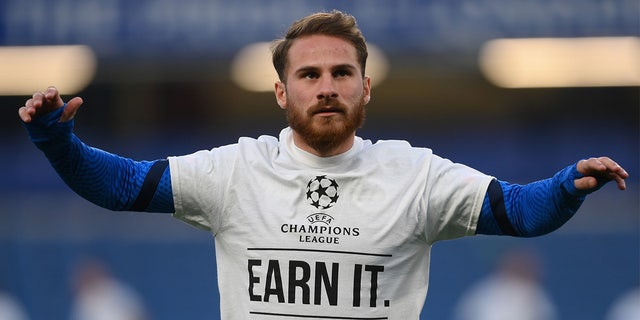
(322, 192)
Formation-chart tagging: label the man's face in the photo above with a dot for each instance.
(324, 95)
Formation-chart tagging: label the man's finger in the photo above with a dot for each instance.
(591, 166)
(38, 95)
(51, 93)
(619, 177)
(615, 172)
(23, 112)
(622, 185)
(27, 111)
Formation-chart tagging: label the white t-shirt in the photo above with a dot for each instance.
(341, 237)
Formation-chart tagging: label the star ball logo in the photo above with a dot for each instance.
(322, 192)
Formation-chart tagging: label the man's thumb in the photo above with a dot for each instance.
(70, 110)
(586, 183)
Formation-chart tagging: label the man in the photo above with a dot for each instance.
(99, 295)
(512, 291)
(317, 223)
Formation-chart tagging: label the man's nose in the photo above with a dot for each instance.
(326, 89)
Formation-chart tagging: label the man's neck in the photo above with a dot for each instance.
(343, 147)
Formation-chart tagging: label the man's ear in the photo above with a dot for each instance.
(367, 90)
(281, 94)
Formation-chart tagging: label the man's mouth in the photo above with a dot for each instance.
(327, 110)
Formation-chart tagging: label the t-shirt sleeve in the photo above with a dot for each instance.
(196, 182)
(454, 197)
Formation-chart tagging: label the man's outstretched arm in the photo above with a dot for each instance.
(106, 179)
(543, 206)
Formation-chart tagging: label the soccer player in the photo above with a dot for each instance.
(318, 222)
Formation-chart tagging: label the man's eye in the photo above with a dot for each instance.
(341, 73)
(311, 75)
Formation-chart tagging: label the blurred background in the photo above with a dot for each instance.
(157, 78)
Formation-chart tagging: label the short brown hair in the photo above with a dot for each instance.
(334, 23)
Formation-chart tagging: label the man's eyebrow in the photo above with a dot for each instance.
(341, 66)
(306, 69)
(345, 66)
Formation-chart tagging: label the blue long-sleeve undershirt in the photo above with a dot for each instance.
(533, 209)
(114, 182)
(107, 180)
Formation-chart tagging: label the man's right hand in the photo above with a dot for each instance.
(42, 103)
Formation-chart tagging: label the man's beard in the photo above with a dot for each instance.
(326, 134)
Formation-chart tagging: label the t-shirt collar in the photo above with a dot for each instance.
(309, 159)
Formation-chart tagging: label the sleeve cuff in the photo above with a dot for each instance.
(48, 127)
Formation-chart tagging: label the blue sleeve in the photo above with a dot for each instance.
(533, 209)
(105, 179)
